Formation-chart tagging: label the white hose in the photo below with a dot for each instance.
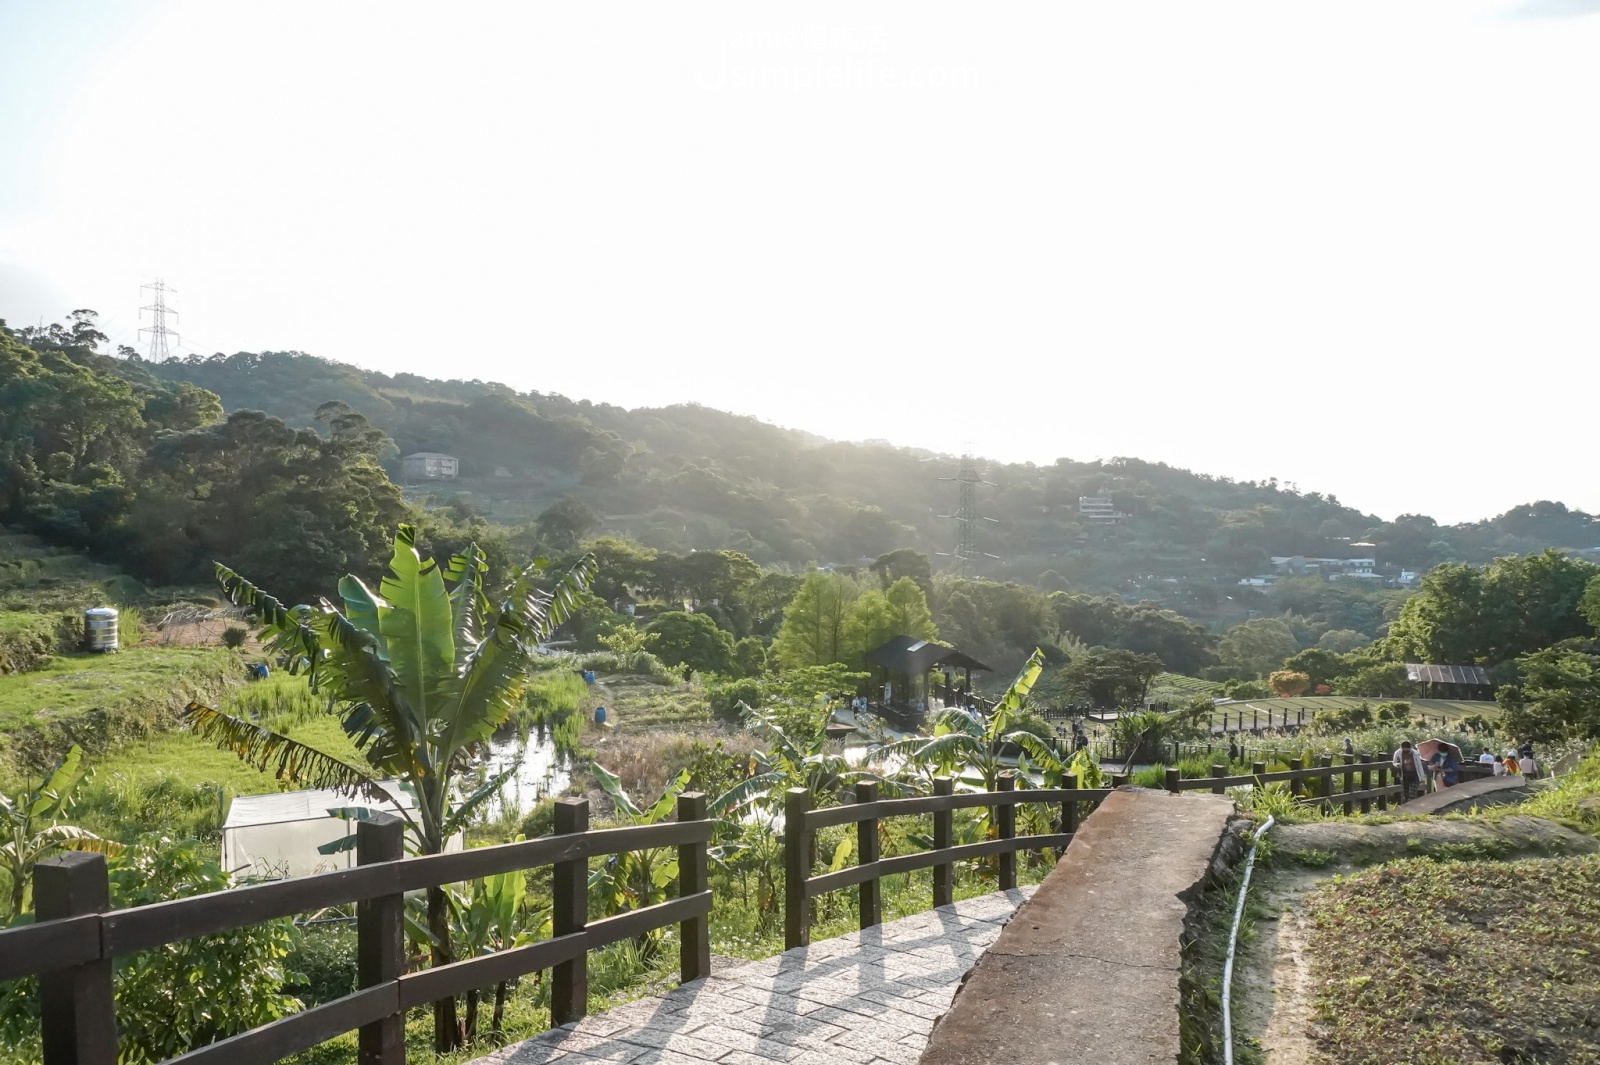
(1233, 944)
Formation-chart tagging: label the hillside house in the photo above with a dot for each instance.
(1102, 509)
(429, 466)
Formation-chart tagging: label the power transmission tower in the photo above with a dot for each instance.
(158, 321)
(967, 518)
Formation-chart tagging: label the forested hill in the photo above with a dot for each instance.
(683, 477)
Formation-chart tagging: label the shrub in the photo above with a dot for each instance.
(234, 636)
(322, 963)
(725, 695)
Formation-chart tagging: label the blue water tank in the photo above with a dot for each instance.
(599, 715)
(588, 676)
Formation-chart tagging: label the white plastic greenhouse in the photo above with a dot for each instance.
(276, 836)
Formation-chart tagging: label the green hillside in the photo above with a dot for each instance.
(686, 477)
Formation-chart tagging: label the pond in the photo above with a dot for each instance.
(542, 771)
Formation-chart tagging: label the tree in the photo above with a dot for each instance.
(421, 672)
(901, 610)
(1256, 647)
(1286, 683)
(1559, 697)
(902, 563)
(1110, 677)
(1513, 606)
(1342, 641)
(692, 641)
(566, 521)
(31, 828)
(819, 626)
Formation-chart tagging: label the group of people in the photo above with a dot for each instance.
(1516, 760)
(1443, 770)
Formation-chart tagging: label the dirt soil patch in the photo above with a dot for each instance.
(1458, 962)
(1276, 990)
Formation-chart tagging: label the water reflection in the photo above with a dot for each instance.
(542, 772)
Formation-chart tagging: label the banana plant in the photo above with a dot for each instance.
(493, 915)
(421, 672)
(633, 880)
(967, 745)
(31, 826)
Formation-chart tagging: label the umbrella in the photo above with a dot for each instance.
(1429, 748)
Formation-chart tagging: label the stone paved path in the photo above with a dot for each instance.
(868, 998)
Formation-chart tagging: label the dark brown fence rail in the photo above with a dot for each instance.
(78, 936)
(1348, 784)
(801, 824)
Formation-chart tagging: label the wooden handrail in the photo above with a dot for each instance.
(72, 946)
(802, 824)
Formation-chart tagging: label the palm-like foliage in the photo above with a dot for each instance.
(30, 827)
(966, 745)
(421, 672)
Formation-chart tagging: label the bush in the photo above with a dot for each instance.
(184, 995)
(322, 963)
(725, 694)
(234, 636)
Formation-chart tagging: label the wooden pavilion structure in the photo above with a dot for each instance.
(905, 667)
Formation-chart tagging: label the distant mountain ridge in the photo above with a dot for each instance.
(687, 477)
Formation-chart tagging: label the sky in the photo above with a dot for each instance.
(1351, 245)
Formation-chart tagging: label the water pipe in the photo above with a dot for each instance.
(1233, 945)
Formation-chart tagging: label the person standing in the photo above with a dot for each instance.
(1408, 768)
(1526, 763)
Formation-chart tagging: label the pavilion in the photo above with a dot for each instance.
(905, 666)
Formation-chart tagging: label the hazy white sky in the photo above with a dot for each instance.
(1353, 245)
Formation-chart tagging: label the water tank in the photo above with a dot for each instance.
(599, 715)
(100, 629)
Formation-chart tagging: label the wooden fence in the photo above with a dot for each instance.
(1356, 780)
(77, 936)
(802, 824)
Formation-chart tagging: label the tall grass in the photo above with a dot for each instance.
(279, 703)
(556, 703)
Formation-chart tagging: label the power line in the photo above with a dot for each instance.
(158, 321)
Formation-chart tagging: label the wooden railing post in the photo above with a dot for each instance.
(1218, 771)
(1069, 808)
(870, 891)
(1006, 821)
(1383, 782)
(1325, 763)
(1349, 783)
(1296, 786)
(694, 934)
(77, 1009)
(381, 940)
(1174, 774)
(944, 837)
(796, 869)
(1366, 784)
(569, 913)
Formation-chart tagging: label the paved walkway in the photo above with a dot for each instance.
(868, 998)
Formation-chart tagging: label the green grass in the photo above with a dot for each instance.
(1458, 962)
(180, 784)
(103, 701)
(1574, 799)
